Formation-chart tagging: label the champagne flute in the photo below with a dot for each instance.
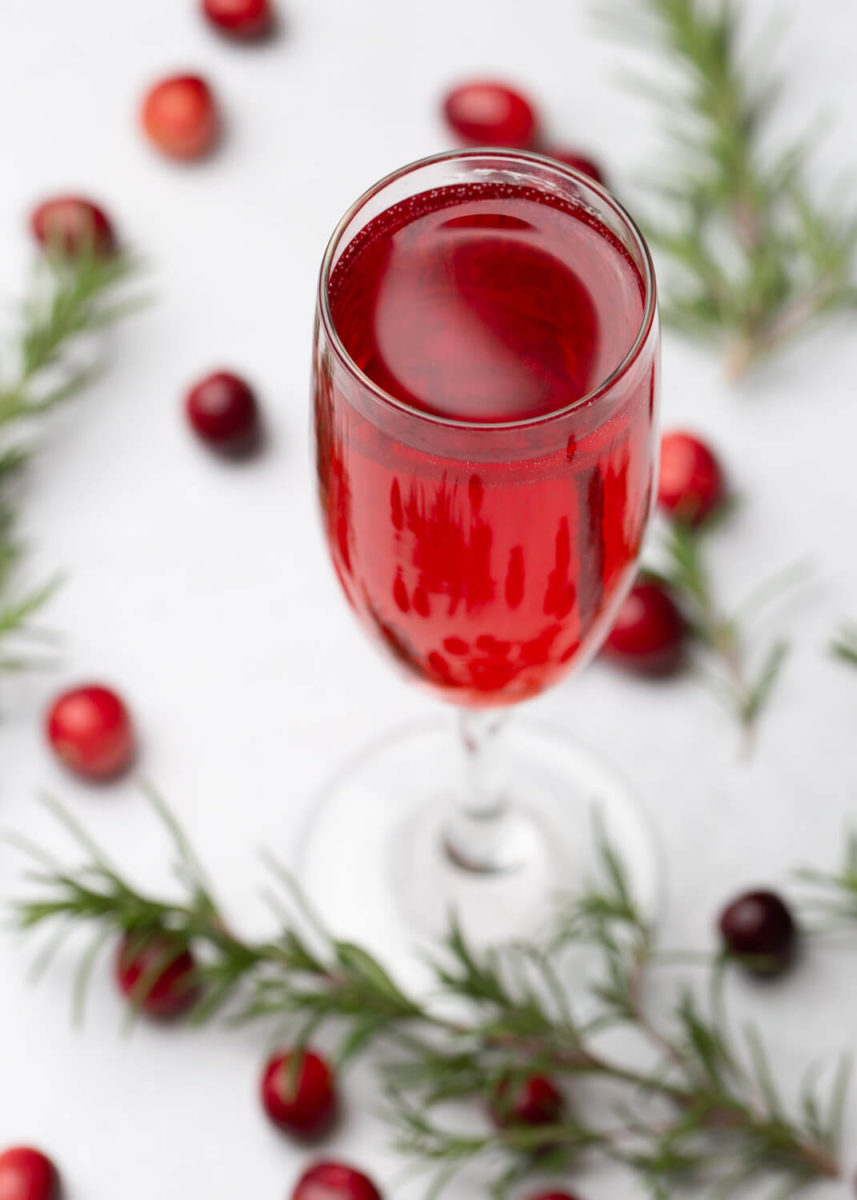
(485, 397)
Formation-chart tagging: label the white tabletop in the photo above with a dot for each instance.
(205, 594)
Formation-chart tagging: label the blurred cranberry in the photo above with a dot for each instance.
(26, 1174)
(89, 728)
(299, 1098)
(759, 928)
(157, 974)
(578, 162)
(691, 484)
(535, 1100)
(223, 412)
(244, 20)
(180, 117)
(334, 1181)
(485, 113)
(554, 1196)
(649, 633)
(73, 226)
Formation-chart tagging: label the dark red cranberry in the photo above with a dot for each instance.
(649, 634)
(223, 412)
(73, 226)
(759, 928)
(487, 113)
(157, 974)
(90, 730)
(578, 162)
(554, 1196)
(244, 20)
(300, 1097)
(180, 117)
(691, 484)
(334, 1181)
(26, 1174)
(534, 1100)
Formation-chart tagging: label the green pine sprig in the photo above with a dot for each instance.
(832, 895)
(844, 644)
(693, 1102)
(753, 255)
(724, 637)
(70, 299)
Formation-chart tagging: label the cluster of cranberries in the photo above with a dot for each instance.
(485, 112)
(90, 728)
(650, 632)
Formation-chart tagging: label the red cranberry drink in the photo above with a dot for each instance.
(485, 396)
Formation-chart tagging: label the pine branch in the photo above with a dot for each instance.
(832, 895)
(710, 1113)
(724, 636)
(755, 258)
(844, 645)
(69, 300)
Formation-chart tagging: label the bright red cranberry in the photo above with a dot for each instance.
(691, 484)
(759, 928)
(73, 226)
(157, 974)
(535, 1100)
(578, 162)
(244, 20)
(90, 730)
(649, 633)
(485, 113)
(223, 412)
(180, 117)
(299, 1098)
(334, 1181)
(26, 1174)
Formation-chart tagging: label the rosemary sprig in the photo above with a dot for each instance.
(70, 298)
(844, 645)
(701, 1109)
(744, 691)
(832, 895)
(755, 257)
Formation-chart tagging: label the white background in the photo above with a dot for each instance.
(203, 590)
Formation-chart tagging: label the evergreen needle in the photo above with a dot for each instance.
(70, 299)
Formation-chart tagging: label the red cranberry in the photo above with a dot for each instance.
(759, 928)
(334, 1181)
(26, 1174)
(89, 729)
(223, 412)
(691, 482)
(535, 1100)
(554, 1196)
(578, 162)
(157, 974)
(73, 226)
(243, 20)
(180, 117)
(649, 633)
(485, 113)
(299, 1098)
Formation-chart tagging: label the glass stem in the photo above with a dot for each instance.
(480, 835)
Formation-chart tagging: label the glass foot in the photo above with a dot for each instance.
(382, 862)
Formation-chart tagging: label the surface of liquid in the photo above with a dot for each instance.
(486, 303)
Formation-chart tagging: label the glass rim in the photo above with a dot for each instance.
(512, 156)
